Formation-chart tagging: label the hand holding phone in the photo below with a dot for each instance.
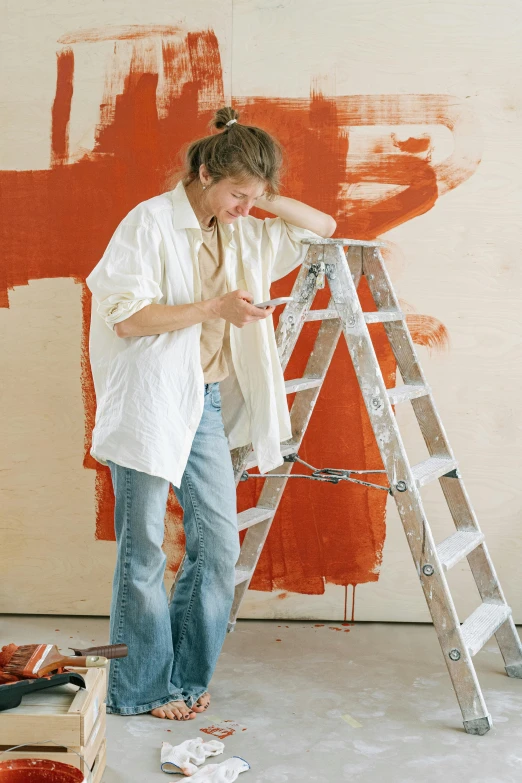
(275, 302)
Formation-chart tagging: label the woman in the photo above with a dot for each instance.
(171, 297)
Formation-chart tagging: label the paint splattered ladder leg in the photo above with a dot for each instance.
(493, 617)
(257, 521)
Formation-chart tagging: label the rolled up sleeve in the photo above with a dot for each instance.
(287, 251)
(128, 276)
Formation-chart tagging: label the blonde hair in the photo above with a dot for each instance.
(239, 152)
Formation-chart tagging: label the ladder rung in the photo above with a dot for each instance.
(321, 315)
(482, 624)
(408, 392)
(242, 575)
(431, 469)
(288, 448)
(252, 516)
(343, 241)
(455, 548)
(300, 384)
(382, 316)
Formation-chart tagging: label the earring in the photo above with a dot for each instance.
(204, 186)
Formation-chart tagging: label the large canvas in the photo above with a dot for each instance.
(404, 124)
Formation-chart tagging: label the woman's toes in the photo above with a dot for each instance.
(172, 711)
(202, 703)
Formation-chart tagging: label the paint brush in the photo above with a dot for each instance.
(38, 660)
(109, 650)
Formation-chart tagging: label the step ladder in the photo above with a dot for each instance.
(341, 263)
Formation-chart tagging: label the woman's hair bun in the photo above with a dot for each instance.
(224, 115)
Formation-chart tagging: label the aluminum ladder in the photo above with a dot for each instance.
(341, 263)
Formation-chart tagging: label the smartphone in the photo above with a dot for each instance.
(275, 302)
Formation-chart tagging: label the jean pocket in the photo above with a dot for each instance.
(215, 397)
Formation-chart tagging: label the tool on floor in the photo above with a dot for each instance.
(38, 660)
(107, 650)
(12, 693)
(327, 260)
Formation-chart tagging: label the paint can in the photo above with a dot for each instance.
(39, 771)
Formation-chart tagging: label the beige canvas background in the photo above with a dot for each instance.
(459, 262)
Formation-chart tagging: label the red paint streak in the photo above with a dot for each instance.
(413, 145)
(345, 602)
(61, 110)
(319, 626)
(353, 604)
(218, 731)
(60, 221)
(119, 33)
(428, 331)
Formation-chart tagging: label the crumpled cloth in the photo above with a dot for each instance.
(226, 772)
(189, 755)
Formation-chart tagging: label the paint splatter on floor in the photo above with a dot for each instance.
(223, 729)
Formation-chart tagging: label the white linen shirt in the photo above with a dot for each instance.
(150, 390)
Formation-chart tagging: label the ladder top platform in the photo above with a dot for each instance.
(353, 242)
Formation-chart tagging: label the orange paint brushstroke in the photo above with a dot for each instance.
(413, 145)
(126, 32)
(61, 110)
(60, 222)
(428, 331)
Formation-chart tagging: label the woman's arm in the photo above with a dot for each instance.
(236, 307)
(299, 214)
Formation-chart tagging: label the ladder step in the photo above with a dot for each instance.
(321, 315)
(300, 384)
(379, 317)
(288, 448)
(382, 316)
(482, 624)
(252, 516)
(431, 469)
(455, 548)
(242, 575)
(408, 392)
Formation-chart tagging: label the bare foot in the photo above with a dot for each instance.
(174, 710)
(202, 703)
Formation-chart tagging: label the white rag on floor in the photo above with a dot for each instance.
(226, 772)
(188, 756)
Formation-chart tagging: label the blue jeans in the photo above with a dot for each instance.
(173, 649)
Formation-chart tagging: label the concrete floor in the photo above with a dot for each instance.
(313, 702)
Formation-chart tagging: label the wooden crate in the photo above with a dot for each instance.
(74, 719)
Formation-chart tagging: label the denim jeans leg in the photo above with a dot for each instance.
(204, 593)
(139, 610)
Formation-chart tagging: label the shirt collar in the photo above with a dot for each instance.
(185, 217)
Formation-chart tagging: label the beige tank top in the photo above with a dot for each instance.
(215, 333)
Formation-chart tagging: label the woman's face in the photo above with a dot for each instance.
(229, 199)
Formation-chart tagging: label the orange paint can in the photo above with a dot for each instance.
(39, 771)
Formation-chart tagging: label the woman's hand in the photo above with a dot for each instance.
(237, 308)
